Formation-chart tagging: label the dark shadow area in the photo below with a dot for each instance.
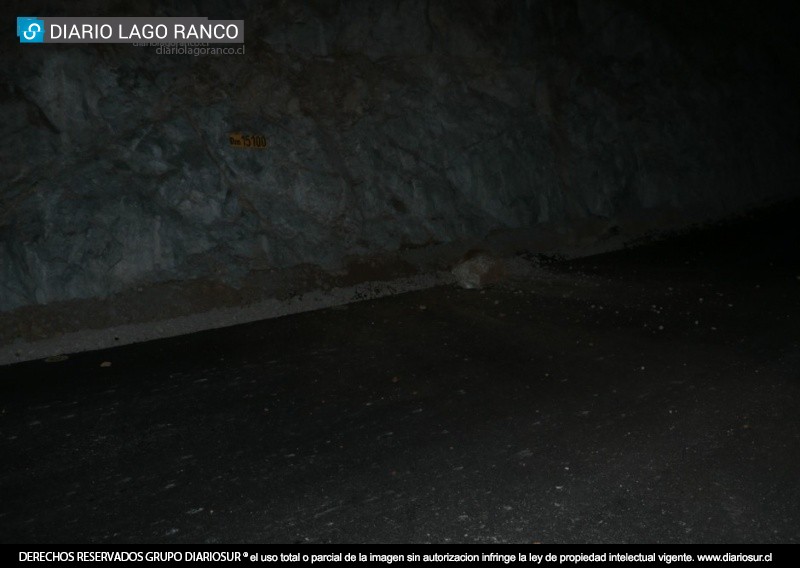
(419, 271)
(644, 395)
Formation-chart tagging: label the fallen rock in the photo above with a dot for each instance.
(478, 270)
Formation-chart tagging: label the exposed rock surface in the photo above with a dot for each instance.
(390, 126)
(479, 270)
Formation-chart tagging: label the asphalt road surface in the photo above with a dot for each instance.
(649, 395)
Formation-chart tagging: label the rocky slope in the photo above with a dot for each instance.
(390, 126)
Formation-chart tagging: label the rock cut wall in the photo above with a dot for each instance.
(389, 125)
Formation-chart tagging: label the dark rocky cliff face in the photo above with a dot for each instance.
(390, 125)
